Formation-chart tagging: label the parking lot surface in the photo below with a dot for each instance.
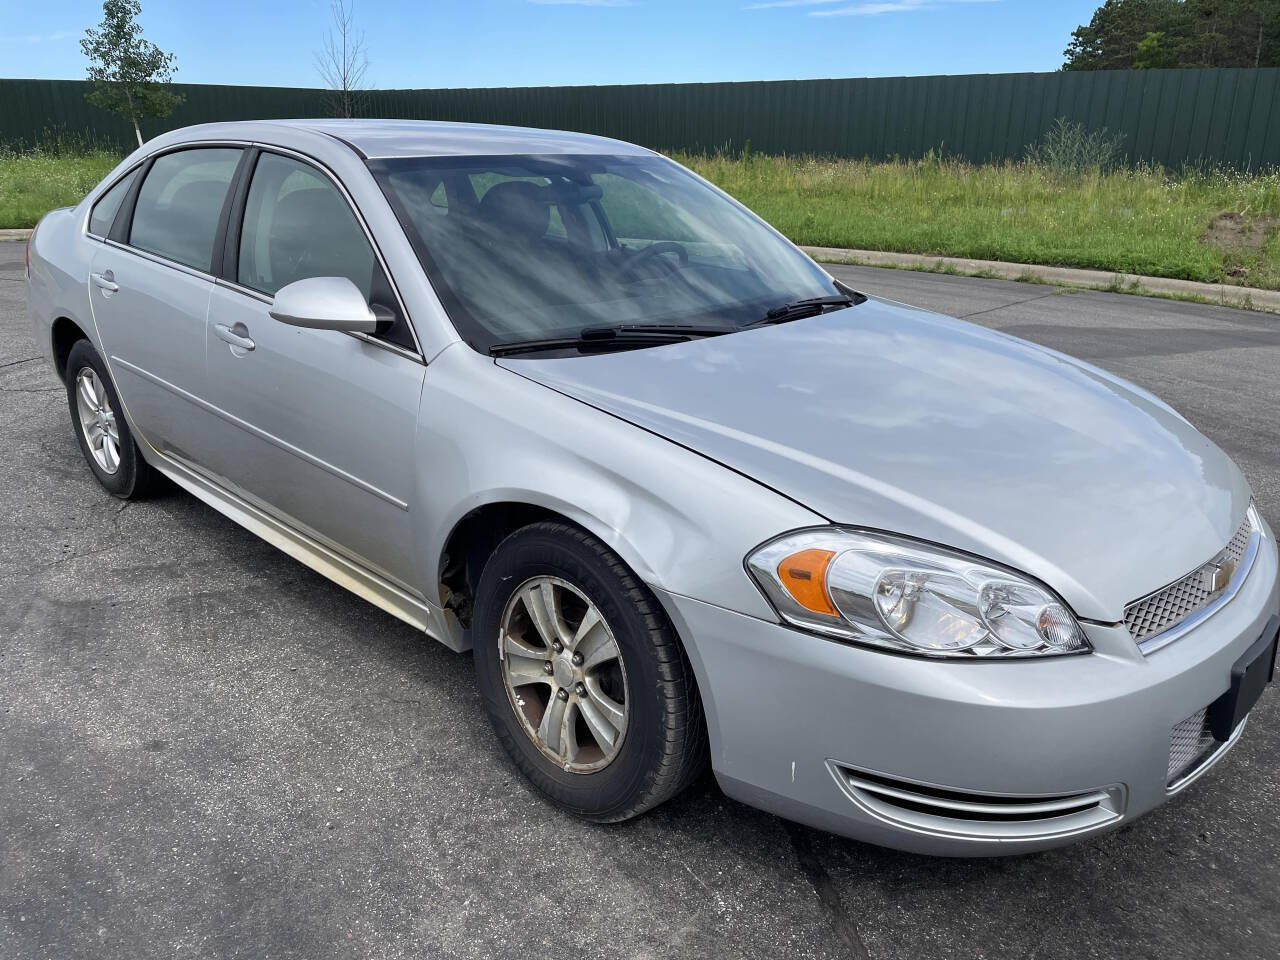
(206, 750)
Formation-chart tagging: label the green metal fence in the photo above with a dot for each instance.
(1227, 116)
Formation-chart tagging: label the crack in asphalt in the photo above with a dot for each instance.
(14, 363)
(816, 873)
(1016, 303)
(72, 558)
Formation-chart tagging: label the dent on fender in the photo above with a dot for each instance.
(681, 521)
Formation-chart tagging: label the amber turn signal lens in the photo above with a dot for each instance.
(804, 574)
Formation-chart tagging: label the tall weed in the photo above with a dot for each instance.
(1068, 148)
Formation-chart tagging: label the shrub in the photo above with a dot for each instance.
(1068, 148)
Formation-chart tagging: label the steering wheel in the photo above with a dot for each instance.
(642, 256)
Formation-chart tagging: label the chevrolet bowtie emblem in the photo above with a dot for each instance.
(1221, 573)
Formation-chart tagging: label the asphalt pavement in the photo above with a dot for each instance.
(207, 750)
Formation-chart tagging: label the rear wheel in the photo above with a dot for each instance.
(587, 685)
(100, 426)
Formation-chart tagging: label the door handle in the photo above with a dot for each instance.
(233, 337)
(105, 280)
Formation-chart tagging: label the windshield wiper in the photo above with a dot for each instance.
(811, 307)
(622, 336)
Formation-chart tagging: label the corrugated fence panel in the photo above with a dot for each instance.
(1227, 116)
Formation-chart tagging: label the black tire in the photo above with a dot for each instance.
(134, 477)
(664, 747)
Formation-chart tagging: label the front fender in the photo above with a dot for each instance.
(682, 522)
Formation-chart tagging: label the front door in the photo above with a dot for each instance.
(317, 426)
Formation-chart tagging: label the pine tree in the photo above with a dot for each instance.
(1177, 33)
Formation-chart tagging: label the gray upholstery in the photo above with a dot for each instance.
(313, 234)
(518, 208)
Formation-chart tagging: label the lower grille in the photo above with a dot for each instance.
(1193, 750)
(938, 810)
(1189, 742)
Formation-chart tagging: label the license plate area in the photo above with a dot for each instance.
(1249, 677)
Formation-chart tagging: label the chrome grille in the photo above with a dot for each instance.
(1171, 605)
(1189, 741)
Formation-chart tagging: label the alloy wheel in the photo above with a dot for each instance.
(564, 675)
(98, 421)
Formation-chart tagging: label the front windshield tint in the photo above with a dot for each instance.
(533, 247)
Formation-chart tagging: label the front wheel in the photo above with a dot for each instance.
(586, 683)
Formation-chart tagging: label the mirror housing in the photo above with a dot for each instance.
(324, 303)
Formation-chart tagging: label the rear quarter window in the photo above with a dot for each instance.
(108, 205)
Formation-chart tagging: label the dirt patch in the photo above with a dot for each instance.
(1241, 240)
(1234, 231)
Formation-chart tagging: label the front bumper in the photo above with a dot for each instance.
(871, 745)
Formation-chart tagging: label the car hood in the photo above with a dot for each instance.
(885, 416)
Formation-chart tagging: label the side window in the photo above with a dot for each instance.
(639, 213)
(176, 215)
(555, 228)
(108, 205)
(297, 225)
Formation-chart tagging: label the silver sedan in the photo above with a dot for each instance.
(556, 400)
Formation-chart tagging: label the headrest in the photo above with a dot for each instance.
(518, 207)
(313, 234)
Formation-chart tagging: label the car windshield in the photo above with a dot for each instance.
(527, 248)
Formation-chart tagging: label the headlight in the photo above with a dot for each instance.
(907, 597)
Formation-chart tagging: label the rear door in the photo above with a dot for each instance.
(318, 426)
(149, 287)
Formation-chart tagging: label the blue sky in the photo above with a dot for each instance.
(477, 43)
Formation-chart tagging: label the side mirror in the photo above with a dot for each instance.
(324, 303)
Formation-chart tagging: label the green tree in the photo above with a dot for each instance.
(1236, 33)
(1153, 52)
(1177, 33)
(130, 74)
(1109, 41)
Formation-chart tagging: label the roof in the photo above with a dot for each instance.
(433, 138)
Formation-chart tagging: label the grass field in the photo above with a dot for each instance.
(33, 183)
(1215, 227)
(1207, 226)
